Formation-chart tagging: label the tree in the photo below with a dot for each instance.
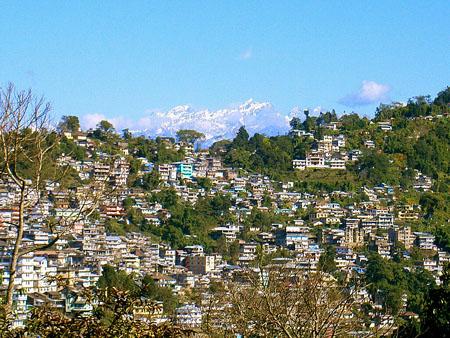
(327, 117)
(241, 139)
(443, 97)
(189, 136)
(27, 161)
(437, 316)
(295, 123)
(105, 126)
(149, 181)
(281, 301)
(204, 182)
(351, 122)
(127, 134)
(159, 293)
(239, 158)
(378, 168)
(69, 124)
(326, 260)
(112, 278)
(104, 130)
(25, 145)
(309, 123)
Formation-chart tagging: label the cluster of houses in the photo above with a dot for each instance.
(310, 223)
(327, 153)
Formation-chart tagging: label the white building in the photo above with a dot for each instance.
(188, 315)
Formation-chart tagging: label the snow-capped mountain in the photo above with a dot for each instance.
(216, 125)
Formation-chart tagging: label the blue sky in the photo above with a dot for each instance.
(125, 58)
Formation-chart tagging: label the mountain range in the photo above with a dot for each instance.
(257, 117)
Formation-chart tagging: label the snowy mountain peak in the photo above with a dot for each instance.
(257, 117)
(178, 111)
(251, 106)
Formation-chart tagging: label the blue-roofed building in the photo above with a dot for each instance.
(148, 167)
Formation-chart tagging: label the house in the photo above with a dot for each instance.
(385, 126)
(184, 170)
(299, 164)
(369, 144)
(229, 231)
(293, 235)
(189, 315)
(167, 172)
(425, 241)
(336, 163)
(200, 264)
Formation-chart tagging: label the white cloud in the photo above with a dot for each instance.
(246, 54)
(295, 111)
(370, 92)
(91, 120)
(317, 110)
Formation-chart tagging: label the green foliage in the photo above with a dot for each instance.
(352, 122)
(442, 234)
(163, 294)
(105, 126)
(128, 202)
(167, 197)
(327, 117)
(261, 220)
(327, 260)
(104, 131)
(189, 136)
(376, 167)
(229, 251)
(69, 124)
(204, 182)
(437, 314)
(166, 153)
(295, 123)
(432, 151)
(220, 147)
(326, 180)
(443, 97)
(387, 280)
(118, 228)
(241, 139)
(69, 148)
(192, 224)
(262, 154)
(149, 181)
(135, 166)
(239, 158)
(126, 134)
(147, 287)
(414, 143)
(301, 146)
(112, 278)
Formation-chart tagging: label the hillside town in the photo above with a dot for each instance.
(70, 249)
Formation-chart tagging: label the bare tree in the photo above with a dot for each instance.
(283, 302)
(27, 161)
